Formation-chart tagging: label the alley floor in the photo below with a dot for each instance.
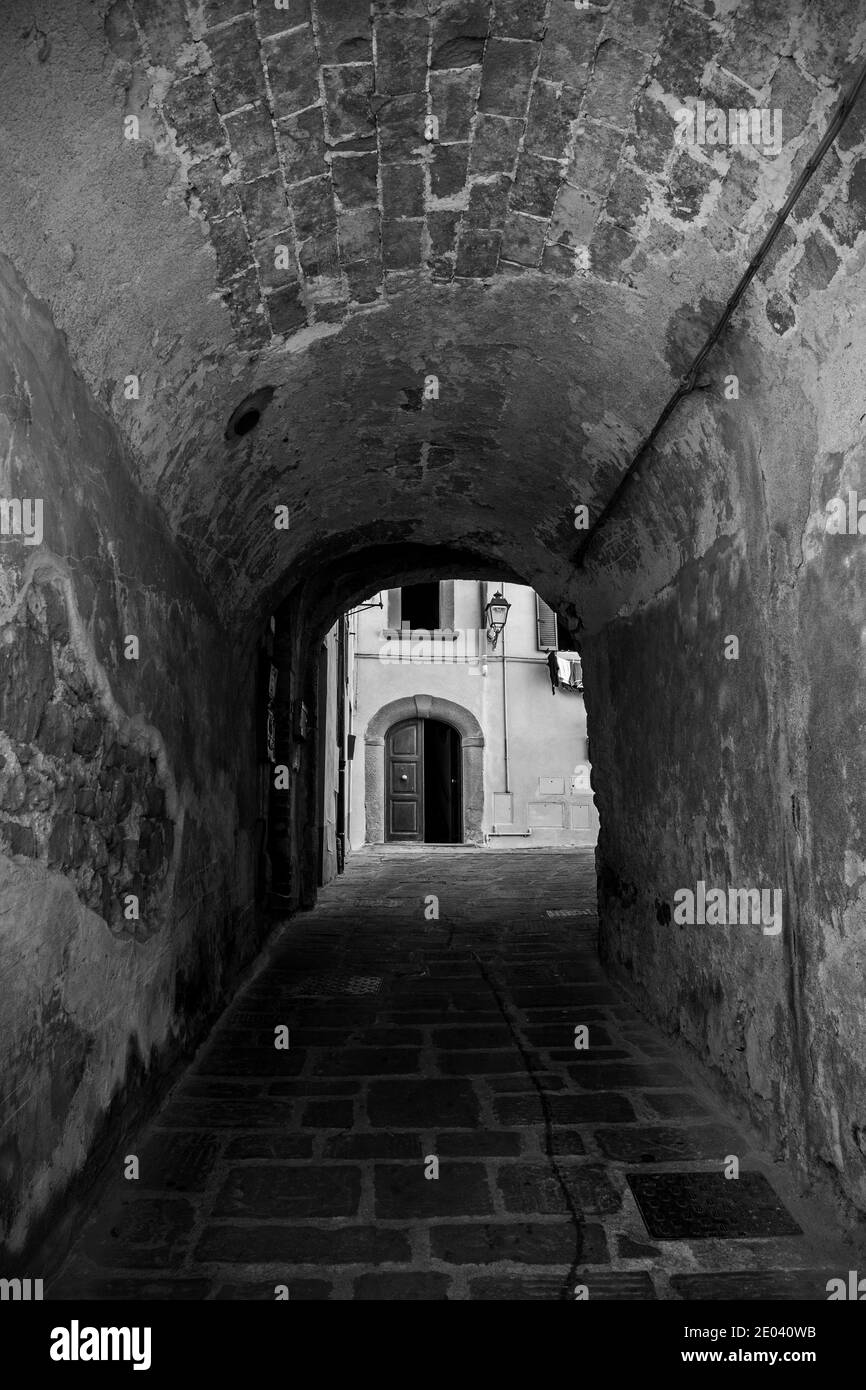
(419, 1043)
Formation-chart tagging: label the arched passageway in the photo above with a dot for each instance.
(274, 338)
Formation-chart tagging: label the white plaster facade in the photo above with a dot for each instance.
(525, 779)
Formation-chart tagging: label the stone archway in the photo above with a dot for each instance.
(472, 745)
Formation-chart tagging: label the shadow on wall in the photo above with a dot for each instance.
(126, 888)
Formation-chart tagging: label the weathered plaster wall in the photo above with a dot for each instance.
(117, 777)
(748, 772)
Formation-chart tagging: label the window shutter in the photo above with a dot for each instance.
(545, 621)
(446, 605)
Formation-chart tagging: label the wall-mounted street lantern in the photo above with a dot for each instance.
(496, 612)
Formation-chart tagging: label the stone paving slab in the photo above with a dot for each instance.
(443, 1137)
(756, 1286)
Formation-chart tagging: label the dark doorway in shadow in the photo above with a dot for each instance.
(425, 787)
(443, 820)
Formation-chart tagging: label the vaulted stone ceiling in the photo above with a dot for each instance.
(551, 253)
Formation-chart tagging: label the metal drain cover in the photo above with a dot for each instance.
(337, 984)
(698, 1206)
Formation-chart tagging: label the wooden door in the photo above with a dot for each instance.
(404, 781)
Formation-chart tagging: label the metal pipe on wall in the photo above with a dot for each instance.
(505, 704)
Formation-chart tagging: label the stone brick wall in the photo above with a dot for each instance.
(120, 781)
(460, 138)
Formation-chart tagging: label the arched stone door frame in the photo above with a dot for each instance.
(472, 749)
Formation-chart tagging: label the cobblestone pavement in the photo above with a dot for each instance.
(412, 1038)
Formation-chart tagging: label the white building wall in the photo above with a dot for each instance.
(546, 733)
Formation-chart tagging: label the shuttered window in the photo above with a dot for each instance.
(545, 622)
(446, 605)
(419, 606)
